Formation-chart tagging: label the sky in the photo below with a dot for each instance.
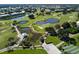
(39, 1)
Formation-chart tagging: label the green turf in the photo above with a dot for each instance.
(4, 35)
(55, 40)
(35, 51)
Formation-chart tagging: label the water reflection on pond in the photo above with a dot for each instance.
(23, 22)
(50, 20)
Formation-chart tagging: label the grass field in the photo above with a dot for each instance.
(4, 37)
(35, 51)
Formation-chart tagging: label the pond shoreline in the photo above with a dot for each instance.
(49, 20)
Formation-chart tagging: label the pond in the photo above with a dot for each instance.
(50, 20)
(26, 29)
(23, 22)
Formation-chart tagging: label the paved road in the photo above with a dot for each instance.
(19, 35)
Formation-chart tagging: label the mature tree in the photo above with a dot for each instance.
(65, 11)
(14, 22)
(11, 41)
(26, 44)
(31, 16)
(73, 9)
(72, 41)
(66, 25)
(34, 10)
(28, 10)
(51, 31)
(62, 32)
(42, 39)
(63, 35)
(52, 9)
(73, 24)
(72, 30)
(57, 26)
(13, 29)
(42, 11)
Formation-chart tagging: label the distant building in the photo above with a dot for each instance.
(59, 10)
(77, 23)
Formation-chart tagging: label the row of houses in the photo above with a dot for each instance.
(12, 14)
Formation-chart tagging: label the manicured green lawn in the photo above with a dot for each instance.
(35, 51)
(4, 35)
(55, 40)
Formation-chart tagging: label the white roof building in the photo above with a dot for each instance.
(77, 23)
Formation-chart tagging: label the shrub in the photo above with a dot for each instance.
(73, 30)
(66, 25)
(51, 31)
